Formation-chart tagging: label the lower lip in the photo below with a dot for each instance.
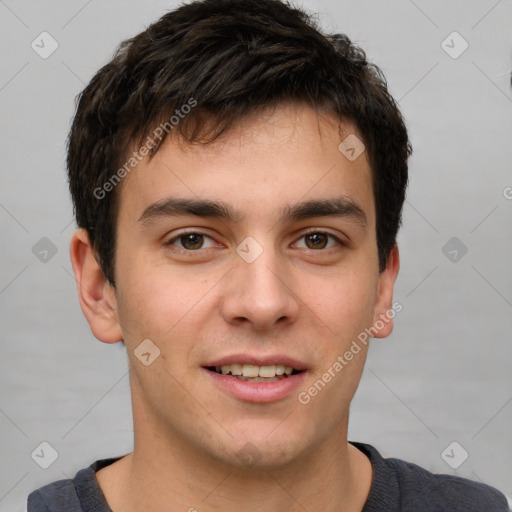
(259, 392)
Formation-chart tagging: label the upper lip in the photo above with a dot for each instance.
(268, 360)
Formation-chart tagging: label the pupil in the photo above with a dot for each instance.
(317, 239)
(192, 241)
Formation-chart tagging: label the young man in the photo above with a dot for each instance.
(238, 181)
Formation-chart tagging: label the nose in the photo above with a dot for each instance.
(259, 293)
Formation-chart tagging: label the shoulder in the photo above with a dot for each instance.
(81, 494)
(57, 496)
(405, 486)
(446, 492)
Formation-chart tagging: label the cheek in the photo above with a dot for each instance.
(350, 312)
(347, 304)
(144, 303)
(156, 302)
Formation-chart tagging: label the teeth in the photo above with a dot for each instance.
(267, 371)
(236, 369)
(249, 370)
(258, 379)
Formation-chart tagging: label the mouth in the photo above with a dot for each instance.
(261, 379)
(255, 373)
(247, 381)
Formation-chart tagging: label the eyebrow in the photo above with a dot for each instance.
(333, 207)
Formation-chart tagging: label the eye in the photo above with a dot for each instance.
(191, 241)
(317, 240)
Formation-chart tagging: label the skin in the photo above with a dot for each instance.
(200, 305)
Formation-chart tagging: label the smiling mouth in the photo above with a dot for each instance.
(253, 373)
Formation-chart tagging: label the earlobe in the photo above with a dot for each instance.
(96, 295)
(384, 311)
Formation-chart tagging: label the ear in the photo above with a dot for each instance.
(97, 296)
(383, 319)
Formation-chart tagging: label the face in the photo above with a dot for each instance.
(257, 250)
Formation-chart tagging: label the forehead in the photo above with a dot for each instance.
(273, 159)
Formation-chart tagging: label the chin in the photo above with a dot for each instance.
(262, 451)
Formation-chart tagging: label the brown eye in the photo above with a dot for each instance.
(316, 240)
(191, 241)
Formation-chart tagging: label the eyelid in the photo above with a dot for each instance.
(310, 231)
(189, 231)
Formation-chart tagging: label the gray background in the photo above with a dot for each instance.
(445, 373)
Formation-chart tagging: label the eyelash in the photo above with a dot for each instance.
(311, 231)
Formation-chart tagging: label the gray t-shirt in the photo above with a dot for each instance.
(397, 486)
